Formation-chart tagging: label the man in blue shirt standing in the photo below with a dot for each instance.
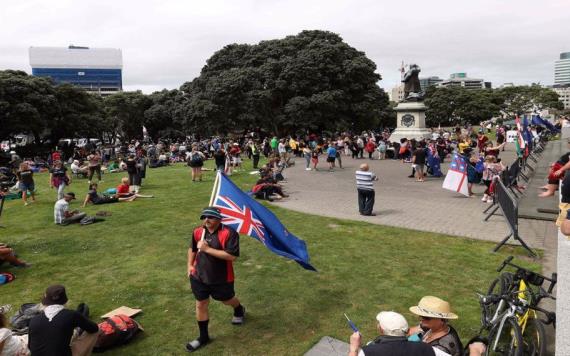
(331, 156)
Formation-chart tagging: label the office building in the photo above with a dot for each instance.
(97, 70)
(462, 80)
(562, 69)
(429, 81)
(563, 92)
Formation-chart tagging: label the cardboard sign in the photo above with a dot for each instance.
(512, 135)
(130, 312)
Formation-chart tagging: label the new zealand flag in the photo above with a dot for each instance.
(247, 216)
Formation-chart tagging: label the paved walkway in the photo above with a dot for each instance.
(403, 202)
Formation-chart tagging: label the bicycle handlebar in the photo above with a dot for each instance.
(507, 262)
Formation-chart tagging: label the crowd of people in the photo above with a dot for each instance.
(211, 247)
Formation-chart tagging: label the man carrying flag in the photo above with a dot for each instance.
(213, 249)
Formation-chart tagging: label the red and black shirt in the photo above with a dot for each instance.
(209, 269)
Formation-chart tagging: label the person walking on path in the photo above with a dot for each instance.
(365, 187)
(213, 249)
(331, 156)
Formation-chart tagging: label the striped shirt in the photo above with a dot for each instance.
(365, 180)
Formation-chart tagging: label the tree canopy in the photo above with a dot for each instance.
(310, 81)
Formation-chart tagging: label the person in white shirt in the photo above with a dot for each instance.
(61, 213)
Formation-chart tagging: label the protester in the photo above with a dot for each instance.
(213, 249)
(10, 344)
(393, 329)
(220, 159)
(365, 187)
(419, 160)
(7, 254)
(124, 191)
(59, 178)
(79, 170)
(96, 199)
(492, 171)
(62, 215)
(254, 147)
(51, 332)
(435, 314)
(26, 181)
(370, 148)
(196, 161)
(307, 153)
(133, 169)
(557, 171)
(94, 166)
(331, 157)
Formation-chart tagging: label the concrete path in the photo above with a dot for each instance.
(402, 202)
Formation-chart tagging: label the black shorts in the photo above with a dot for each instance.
(221, 292)
(331, 159)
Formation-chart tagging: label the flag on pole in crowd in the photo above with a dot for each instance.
(247, 216)
(539, 121)
(527, 135)
(434, 164)
(520, 144)
(456, 178)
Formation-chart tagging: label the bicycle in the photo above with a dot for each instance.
(523, 291)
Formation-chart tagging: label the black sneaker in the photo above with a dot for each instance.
(239, 320)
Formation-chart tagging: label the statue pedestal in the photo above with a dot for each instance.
(411, 119)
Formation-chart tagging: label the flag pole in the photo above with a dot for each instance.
(215, 188)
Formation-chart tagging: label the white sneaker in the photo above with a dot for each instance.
(307, 169)
(484, 198)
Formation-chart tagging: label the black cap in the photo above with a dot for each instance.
(55, 295)
(211, 212)
(70, 194)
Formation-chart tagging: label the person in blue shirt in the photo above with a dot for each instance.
(331, 156)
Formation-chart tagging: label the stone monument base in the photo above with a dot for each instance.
(411, 120)
(417, 134)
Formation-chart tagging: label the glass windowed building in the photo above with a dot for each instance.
(562, 69)
(97, 70)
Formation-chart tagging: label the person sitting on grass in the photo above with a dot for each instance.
(51, 332)
(62, 215)
(79, 170)
(124, 191)
(7, 254)
(10, 344)
(96, 199)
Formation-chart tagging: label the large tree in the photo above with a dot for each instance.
(124, 114)
(163, 118)
(27, 104)
(311, 81)
(518, 100)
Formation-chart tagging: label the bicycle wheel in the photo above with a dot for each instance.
(534, 338)
(505, 341)
(499, 286)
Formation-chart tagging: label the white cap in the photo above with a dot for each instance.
(392, 323)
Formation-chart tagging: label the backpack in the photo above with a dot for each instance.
(195, 159)
(115, 331)
(21, 320)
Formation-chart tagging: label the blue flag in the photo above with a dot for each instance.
(539, 121)
(434, 163)
(527, 135)
(247, 216)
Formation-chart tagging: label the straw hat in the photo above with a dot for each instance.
(433, 307)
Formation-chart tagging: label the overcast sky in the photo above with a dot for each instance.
(165, 43)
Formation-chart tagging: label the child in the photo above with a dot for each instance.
(491, 171)
(315, 159)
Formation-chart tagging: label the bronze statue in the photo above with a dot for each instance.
(412, 88)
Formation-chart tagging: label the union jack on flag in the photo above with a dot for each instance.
(245, 215)
(456, 178)
(240, 218)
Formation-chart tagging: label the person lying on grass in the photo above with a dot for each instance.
(93, 197)
(124, 190)
(7, 254)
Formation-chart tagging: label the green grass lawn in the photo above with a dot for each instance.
(137, 257)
